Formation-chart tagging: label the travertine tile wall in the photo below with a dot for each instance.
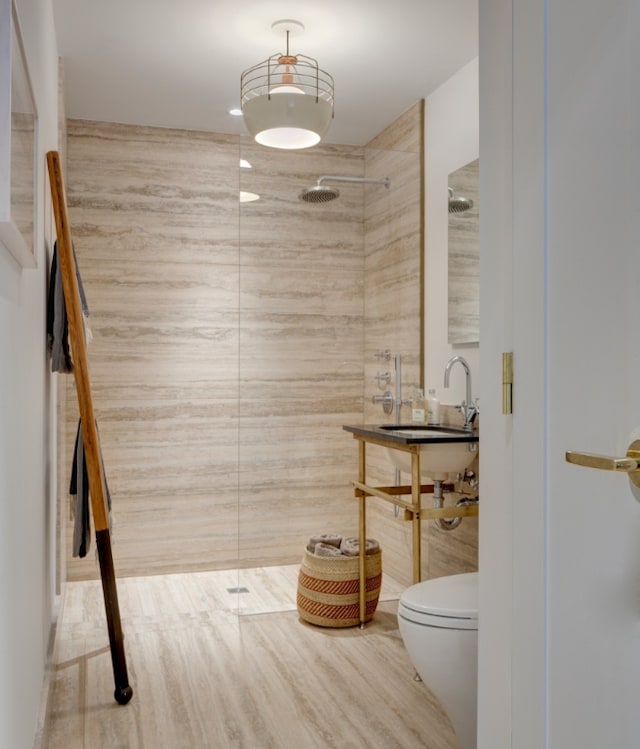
(154, 217)
(393, 313)
(464, 258)
(220, 339)
(232, 341)
(393, 247)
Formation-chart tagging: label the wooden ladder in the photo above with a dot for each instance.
(67, 266)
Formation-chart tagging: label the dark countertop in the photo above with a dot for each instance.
(417, 434)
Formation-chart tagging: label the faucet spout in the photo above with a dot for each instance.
(468, 409)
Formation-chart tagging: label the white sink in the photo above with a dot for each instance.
(437, 459)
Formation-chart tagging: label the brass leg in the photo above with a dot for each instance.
(416, 522)
(362, 566)
(362, 500)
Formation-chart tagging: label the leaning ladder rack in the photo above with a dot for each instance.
(123, 691)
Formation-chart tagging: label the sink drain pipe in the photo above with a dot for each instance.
(448, 524)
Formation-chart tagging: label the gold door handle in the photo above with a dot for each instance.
(630, 464)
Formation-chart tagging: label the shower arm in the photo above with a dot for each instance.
(386, 181)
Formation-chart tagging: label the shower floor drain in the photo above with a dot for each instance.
(237, 590)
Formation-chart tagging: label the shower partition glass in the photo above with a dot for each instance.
(300, 363)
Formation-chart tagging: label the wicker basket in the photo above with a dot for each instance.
(329, 587)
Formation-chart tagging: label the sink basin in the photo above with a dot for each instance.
(442, 451)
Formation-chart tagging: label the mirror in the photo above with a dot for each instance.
(464, 255)
(17, 149)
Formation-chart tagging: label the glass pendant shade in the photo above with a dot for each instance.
(287, 101)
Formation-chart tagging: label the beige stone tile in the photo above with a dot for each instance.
(206, 678)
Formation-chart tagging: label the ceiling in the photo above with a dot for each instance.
(177, 63)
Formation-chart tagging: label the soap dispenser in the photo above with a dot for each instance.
(432, 409)
(418, 408)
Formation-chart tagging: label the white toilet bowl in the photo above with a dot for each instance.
(438, 622)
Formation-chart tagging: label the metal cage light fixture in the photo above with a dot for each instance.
(287, 100)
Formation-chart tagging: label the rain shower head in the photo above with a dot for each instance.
(458, 204)
(320, 193)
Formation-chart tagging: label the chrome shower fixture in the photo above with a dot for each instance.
(320, 193)
(458, 204)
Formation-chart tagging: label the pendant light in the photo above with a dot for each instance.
(287, 100)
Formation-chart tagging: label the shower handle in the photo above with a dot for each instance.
(386, 399)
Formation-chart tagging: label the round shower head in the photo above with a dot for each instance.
(458, 204)
(319, 194)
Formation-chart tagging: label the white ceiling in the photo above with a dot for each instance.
(177, 63)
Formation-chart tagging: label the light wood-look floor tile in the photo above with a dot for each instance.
(206, 678)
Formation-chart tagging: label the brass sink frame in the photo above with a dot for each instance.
(413, 509)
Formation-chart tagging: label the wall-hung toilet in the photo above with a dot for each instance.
(438, 622)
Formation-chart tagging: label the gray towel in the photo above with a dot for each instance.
(350, 547)
(332, 539)
(327, 550)
(57, 322)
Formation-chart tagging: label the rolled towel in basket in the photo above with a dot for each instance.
(350, 547)
(327, 550)
(332, 539)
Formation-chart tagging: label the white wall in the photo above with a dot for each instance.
(496, 331)
(451, 141)
(27, 498)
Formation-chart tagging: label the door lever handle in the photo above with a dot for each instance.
(630, 464)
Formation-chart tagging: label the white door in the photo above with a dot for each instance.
(567, 673)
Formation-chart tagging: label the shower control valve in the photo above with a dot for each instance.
(383, 355)
(386, 400)
(383, 378)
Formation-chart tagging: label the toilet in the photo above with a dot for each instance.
(438, 622)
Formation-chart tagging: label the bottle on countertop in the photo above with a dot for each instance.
(432, 409)
(419, 408)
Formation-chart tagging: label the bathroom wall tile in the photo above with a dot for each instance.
(393, 284)
(155, 231)
(393, 294)
(232, 342)
(463, 256)
(278, 290)
(227, 348)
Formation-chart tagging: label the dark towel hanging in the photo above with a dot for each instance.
(57, 323)
(79, 487)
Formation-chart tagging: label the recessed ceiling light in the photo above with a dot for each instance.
(235, 112)
(244, 164)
